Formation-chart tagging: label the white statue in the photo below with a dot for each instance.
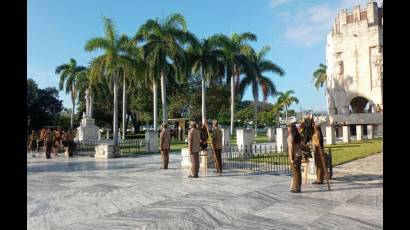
(87, 102)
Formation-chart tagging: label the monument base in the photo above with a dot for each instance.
(105, 151)
(186, 159)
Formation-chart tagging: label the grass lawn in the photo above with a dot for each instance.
(346, 152)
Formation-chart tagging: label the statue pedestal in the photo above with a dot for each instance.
(186, 159)
(105, 151)
(87, 131)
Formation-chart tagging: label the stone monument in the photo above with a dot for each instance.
(87, 131)
(354, 58)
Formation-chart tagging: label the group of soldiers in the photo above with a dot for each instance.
(197, 142)
(300, 143)
(51, 141)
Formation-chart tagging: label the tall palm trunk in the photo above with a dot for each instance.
(72, 113)
(255, 98)
(203, 95)
(232, 99)
(115, 121)
(286, 113)
(164, 99)
(124, 104)
(154, 90)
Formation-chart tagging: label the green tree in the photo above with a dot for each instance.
(43, 105)
(320, 76)
(110, 64)
(254, 76)
(163, 50)
(235, 49)
(286, 99)
(205, 60)
(68, 76)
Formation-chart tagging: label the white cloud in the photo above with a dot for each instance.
(310, 25)
(275, 3)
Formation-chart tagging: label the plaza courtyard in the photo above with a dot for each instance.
(133, 193)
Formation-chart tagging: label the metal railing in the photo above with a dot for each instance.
(127, 145)
(261, 159)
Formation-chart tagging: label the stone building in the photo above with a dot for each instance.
(354, 57)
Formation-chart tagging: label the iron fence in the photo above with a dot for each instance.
(260, 158)
(126, 146)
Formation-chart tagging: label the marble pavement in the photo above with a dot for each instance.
(133, 193)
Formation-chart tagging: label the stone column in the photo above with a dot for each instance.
(108, 134)
(245, 137)
(281, 139)
(346, 133)
(369, 131)
(359, 132)
(151, 138)
(380, 129)
(225, 136)
(330, 135)
(270, 134)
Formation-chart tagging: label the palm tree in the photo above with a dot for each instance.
(286, 99)
(110, 64)
(163, 50)
(205, 59)
(68, 76)
(320, 76)
(276, 109)
(254, 77)
(131, 72)
(235, 50)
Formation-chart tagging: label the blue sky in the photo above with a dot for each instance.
(295, 29)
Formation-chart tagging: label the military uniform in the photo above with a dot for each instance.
(295, 155)
(48, 140)
(217, 144)
(32, 143)
(194, 148)
(165, 146)
(317, 143)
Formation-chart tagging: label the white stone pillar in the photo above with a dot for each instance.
(270, 134)
(369, 131)
(346, 133)
(151, 138)
(330, 135)
(108, 134)
(225, 136)
(281, 139)
(359, 132)
(380, 129)
(245, 137)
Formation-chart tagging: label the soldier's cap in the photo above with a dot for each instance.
(192, 124)
(291, 121)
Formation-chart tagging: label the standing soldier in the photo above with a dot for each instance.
(193, 146)
(165, 146)
(42, 139)
(295, 156)
(217, 144)
(317, 141)
(32, 143)
(70, 142)
(48, 141)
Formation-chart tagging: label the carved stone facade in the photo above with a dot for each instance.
(354, 57)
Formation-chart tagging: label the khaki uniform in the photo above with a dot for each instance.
(48, 140)
(165, 146)
(318, 161)
(217, 143)
(295, 155)
(194, 148)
